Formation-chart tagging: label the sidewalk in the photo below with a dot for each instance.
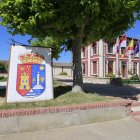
(125, 129)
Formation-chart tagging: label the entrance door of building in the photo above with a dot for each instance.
(110, 67)
(123, 69)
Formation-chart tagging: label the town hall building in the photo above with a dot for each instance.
(99, 59)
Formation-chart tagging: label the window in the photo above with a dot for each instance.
(110, 48)
(110, 67)
(122, 50)
(83, 52)
(94, 48)
(135, 68)
(84, 68)
(95, 67)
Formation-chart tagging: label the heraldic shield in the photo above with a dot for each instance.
(30, 80)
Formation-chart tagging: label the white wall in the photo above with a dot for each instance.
(58, 70)
(101, 58)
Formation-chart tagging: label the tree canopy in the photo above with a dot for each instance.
(49, 42)
(74, 22)
(68, 18)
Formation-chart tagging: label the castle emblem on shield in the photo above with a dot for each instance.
(31, 75)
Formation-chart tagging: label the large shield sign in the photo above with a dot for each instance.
(30, 74)
(30, 80)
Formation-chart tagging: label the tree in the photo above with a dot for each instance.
(73, 22)
(49, 42)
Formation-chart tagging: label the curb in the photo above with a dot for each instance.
(45, 110)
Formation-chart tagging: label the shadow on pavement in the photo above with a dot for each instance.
(2, 92)
(124, 91)
(60, 90)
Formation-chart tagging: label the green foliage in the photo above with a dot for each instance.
(63, 73)
(128, 81)
(111, 75)
(132, 80)
(3, 68)
(49, 42)
(71, 22)
(134, 77)
(1, 77)
(67, 19)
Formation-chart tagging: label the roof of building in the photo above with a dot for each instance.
(60, 64)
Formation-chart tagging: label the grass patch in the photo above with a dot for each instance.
(129, 81)
(63, 97)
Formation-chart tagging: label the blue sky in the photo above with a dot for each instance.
(64, 56)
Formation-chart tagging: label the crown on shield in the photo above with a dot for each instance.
(31, 58)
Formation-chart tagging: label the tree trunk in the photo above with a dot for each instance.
(77, 68)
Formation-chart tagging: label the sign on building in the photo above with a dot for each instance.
(30, 74)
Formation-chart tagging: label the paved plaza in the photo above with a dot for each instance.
(125, 129)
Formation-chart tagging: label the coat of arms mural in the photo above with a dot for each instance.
(30, 74)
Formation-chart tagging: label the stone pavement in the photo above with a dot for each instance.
(125, 129)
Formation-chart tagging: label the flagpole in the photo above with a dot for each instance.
(117, 58)
(132, 57)
(126, 60)
(139, 54)
(119, 62)
(139, 57)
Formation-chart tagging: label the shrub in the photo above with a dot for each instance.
(1, 77)
(3, 68)
(63, 73)
(134, 77)
(111, 75)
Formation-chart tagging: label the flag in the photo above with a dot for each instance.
(122, 42)
(116, 48)
(136, 50)
(130, 45)
(123, 55)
